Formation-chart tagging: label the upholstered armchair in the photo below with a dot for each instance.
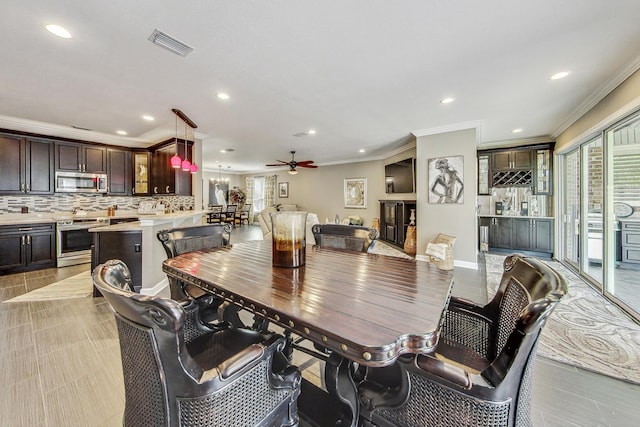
(481, 370)
(178, 373)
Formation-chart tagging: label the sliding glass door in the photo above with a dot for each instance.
(571, 223)
(592, 209)
(600, 208)
(622, 231)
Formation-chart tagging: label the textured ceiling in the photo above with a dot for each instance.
(364, 74)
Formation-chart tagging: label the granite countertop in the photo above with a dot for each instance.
(125, 226)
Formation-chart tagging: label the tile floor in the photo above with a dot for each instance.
(60, 363)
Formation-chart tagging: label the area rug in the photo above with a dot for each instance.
(78, 286)
(585, 330)
(382, 248)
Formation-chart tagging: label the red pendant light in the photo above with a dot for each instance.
(176, 161)
(186, 164)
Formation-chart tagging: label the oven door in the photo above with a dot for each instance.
(74, 245)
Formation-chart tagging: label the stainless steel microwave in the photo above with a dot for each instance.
(79, 182)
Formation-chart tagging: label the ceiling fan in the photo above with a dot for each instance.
(293, 163)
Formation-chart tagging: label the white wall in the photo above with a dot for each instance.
(321, 190)
(457, 220)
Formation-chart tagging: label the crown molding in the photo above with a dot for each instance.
(515, 142)
(475, 124)
(33, 126)
(598, 96)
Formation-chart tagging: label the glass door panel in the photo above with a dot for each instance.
(571, 214)
(592, 209)
(622, 230)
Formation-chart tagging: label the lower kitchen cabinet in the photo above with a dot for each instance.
(27, 247)
(630, 241)
(520, 234)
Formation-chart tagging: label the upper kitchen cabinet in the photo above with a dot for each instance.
(511, 160)
(118, 172)
(528, 166)
(543, 159)
(141, 173)
(26, 165)
(164, 178)
(75, 157)
(484, 181)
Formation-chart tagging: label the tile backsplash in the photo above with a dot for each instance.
(89, 202)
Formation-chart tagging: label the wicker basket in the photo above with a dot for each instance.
(447, 262)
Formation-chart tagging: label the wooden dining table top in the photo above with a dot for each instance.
(369, 308)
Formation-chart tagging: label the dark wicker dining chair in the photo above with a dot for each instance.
(481, 371)
(180, 240)
(350, 237)
(177, 372)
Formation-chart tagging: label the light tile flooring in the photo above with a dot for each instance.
(60, 363)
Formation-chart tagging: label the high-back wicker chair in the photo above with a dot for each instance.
(350, 237)
(179, 373)
(480, 373)
(180, 240)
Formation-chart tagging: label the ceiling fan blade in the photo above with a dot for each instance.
(305, 162)
(277, 164)
(307, 166)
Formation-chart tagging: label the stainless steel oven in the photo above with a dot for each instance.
(74, 240)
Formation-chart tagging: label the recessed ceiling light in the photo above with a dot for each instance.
(560, 75)
(121, 132)
(311, 132)
(362, 150)
(518, 130)
(222, 96)
(223, 151)
(447, 100)
(58, 31)
(148, 118)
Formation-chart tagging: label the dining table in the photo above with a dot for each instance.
(366, 309)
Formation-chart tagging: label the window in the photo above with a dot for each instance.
(258, 194)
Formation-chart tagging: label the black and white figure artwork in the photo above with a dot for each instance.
(446, 181)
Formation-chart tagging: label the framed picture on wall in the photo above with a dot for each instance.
(355, 193)
(446, 180)
(283, 190)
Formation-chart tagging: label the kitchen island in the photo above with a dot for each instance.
(137, 245)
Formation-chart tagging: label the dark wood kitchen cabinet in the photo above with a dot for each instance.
(26, 165)
(76, 157)
(511, 159)
(27, 247)
(520, 234)
(141, 173)
(534, 235)
(394, 220)
(164, 178)
(500, 233)
(118, 172)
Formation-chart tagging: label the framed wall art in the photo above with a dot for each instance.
(446, 180)
(283, 190)
(355, 193)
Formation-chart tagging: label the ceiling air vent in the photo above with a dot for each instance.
(166, 41)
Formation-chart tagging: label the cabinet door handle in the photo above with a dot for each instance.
(28, 240)
(167, 190)
(22, 240)
(22, 187)
(25, 228)
(27, 189)
(155, 190)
